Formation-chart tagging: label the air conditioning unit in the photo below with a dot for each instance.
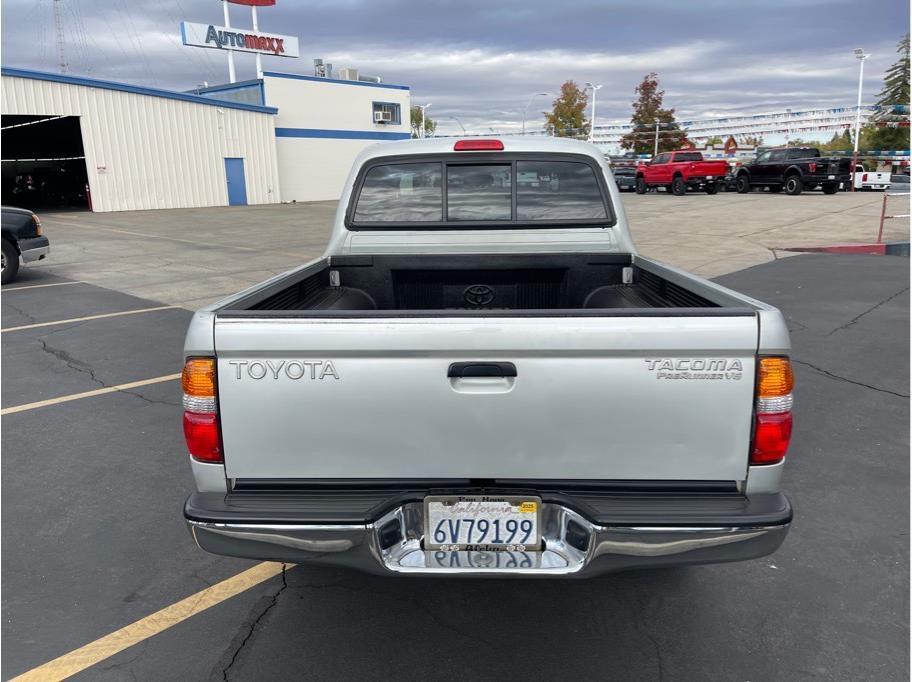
(348, 74)
(383, 117)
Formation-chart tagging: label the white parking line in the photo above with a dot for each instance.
(87, 317)
(38, 286)
(87, 394)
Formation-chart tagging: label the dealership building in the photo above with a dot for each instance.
(108, 146)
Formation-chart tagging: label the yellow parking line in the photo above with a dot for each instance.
(87, 317)
(87, 394)
(134, 633)
(39, 286)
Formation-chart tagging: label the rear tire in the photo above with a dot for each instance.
(793, 185)
(641, 186)
(830, 188)
(10, 263)
(678, 187)
(712, 188)
(743, 184)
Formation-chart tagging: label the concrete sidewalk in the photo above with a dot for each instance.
(190, 257)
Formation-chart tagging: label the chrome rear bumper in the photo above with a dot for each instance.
(573, 546)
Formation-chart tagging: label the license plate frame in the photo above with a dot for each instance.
(503, 509)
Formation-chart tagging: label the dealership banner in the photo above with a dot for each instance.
(241, 40)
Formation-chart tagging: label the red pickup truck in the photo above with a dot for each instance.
(679, 171)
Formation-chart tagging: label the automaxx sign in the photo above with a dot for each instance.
(226, 38)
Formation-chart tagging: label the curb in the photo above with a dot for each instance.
(881, 249)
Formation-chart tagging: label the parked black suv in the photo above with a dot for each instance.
(795, 169)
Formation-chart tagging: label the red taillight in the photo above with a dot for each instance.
(864, 178)
(772, 433)
(478, 146)
(812, 167)
(201, 432)
(773, 409)
(201, 424)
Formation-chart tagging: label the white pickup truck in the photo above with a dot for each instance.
(482, 376)
(871, 179)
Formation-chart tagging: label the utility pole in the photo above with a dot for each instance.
(231, 76)
(595, 89)
(421, 108)
(256, 29)
(537, 94)
(58, 30)
(860, 56)
(655, 147)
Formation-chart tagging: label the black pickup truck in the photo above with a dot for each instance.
(795, 169)
(22, 238)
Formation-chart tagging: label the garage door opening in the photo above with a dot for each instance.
(43, 165)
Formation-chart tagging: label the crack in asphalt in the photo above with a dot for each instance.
(826, 373)
(869, 310)
(16, 309)
(70, 361)
(256, 621)
(151, 401)
(80, 366)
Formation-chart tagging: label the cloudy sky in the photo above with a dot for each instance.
(479, 60)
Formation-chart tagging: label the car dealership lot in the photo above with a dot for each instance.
(93, 487)
(190, 257)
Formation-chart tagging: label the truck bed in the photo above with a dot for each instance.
(550, 284)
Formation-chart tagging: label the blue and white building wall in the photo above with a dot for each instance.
(323, 123)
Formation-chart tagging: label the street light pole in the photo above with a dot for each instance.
(460, 124)
(655, 147)
(860, 56)
(231, 76)
(421, 127)
(788, 126)
(537, 94)
(595, 89)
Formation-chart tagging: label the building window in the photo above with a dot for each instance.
(387, 113)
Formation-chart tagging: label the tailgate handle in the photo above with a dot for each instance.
(481, 369)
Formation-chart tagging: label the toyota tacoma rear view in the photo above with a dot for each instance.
(481, 376)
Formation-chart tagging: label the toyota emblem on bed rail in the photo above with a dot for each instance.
(478, 294)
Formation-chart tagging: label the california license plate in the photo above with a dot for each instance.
(489, 523)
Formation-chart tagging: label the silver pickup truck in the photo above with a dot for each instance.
(481, 376)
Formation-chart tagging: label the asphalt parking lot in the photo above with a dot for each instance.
(93, 538)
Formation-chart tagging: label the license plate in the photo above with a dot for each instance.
(831, 177)
(489, 523)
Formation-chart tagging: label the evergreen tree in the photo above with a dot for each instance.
(568, 116)
(896, 79)
(889, 129)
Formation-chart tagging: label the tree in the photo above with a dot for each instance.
(715, 139)
(751, 140)
(889, 129)
(430, 125)
(568, 115)
(416, 117)
(647, 111)
(896, 79)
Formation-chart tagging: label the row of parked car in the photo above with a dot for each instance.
(792, 169)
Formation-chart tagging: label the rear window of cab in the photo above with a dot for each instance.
(444, 193)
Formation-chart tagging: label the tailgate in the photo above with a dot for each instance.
(640, 397)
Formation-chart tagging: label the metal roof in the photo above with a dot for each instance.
(135, 89)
